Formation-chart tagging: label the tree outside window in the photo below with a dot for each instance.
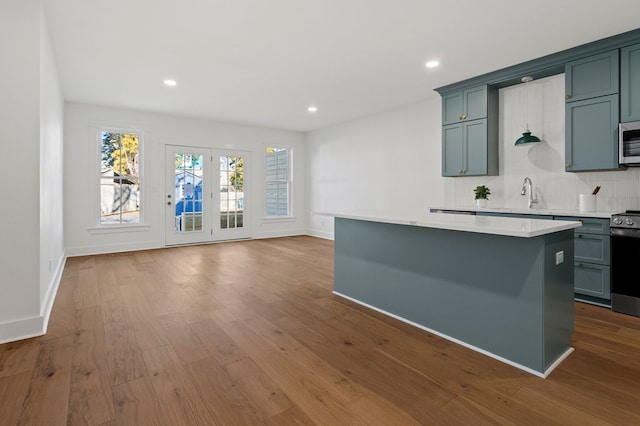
(120, 185)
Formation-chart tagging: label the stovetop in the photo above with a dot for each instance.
(629, 219)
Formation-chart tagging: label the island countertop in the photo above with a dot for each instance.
(602, 214)
(508, 226)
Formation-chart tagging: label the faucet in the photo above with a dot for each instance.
(527, 188)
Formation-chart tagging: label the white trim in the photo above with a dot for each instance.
(114, 229)
(113, 248)
(279, 234)
(26, 328)
(461, 343)
(52, 291)
(320, 234)
(275, 219)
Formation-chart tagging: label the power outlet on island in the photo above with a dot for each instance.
(559, 257)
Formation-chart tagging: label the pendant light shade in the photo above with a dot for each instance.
(527, 137)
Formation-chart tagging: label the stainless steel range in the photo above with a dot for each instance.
(625, 257)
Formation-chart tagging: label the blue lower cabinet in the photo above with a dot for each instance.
(592, 259)
(592, 280)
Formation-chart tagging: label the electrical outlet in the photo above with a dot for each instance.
(559, 257)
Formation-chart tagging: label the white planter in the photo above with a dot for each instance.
(481, 202)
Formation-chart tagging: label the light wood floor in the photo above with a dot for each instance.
(248, 333)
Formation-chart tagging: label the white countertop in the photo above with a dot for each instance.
(509, 226)
(533, 211)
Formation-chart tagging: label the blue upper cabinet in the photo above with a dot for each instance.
(592, 113)
(465, 105)
(630, 83)
(467, 151)
(592, 134)
(470, 132)
(593, 76)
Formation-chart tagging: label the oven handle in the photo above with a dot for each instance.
(628, 233)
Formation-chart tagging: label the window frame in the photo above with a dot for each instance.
(100, 227)
(289, 181)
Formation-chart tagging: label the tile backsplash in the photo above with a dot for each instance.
(542, 101)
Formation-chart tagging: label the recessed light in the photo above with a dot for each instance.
(170, 82)
(312, 108)
(432, 64)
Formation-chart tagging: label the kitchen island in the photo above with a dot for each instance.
(501, 286)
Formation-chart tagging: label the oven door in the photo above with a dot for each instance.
(625, 279)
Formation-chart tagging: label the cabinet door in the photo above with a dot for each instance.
(475, 144)
(592, 134)
(592, 248)
(592, 76)
(452, 150)
(592, 280)
(475, 103)
(469, 104)
(630, 84)
(452, 108)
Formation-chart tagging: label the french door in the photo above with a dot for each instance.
(205, 195)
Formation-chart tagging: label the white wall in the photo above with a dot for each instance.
(31, 111)
(51, 167)
(543, 162)
(81, 178)
(384, 162)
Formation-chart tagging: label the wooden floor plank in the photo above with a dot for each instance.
(90, 397)
(13, 392)
(250, 333)
(177, 394)
(48, 395)
(263, 392)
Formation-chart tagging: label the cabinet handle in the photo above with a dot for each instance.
(463, 116)
(568, 96)
(567, 165)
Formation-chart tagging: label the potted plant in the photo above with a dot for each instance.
(482, 195)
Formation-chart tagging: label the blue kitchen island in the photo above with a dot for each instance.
(500, 286)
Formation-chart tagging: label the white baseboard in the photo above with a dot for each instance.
(26, 328)
(320, 234)
(52, 290)
(279, 234)
(113, 248)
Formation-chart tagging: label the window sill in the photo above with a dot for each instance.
(114, 229)
(278, 219)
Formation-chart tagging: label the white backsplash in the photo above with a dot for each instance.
(543, 162)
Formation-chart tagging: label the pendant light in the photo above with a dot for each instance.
(527, 137)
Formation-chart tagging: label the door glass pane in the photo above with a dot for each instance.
(188, 192)
(231, 192)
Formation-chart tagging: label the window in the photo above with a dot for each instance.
(120, 185)
(278, 181)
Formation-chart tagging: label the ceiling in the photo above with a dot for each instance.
(263, 62)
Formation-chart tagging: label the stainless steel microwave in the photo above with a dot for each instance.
(629, 148)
